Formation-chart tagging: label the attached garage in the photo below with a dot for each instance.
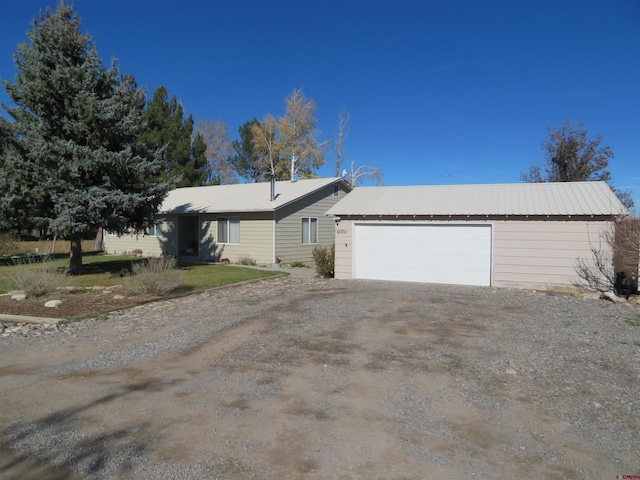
(433, 253)
(511, 235)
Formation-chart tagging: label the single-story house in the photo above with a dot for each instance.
(527, 235)
(261, 221)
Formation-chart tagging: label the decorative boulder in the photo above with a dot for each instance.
(612, 297)
(53, 303)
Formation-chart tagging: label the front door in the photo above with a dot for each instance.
(188, 236)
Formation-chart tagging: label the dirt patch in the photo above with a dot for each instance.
(75, 304)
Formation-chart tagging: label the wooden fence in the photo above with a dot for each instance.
(46, 246)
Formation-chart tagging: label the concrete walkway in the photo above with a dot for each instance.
(4, 318)
(299, 272)
(295, 272)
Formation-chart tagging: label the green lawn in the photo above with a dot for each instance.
(107, 270)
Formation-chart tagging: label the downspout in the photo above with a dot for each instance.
(273, 229)
(198, 239)
(274, 238)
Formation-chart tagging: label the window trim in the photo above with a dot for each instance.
(155, 233)
(228, 221)
(336, 191)
(310, 221)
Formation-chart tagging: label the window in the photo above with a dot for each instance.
(153, 231)
(229, 230)
(309, 230)
(336, 190)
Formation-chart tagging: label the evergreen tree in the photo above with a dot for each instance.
(245, 160)
(5, 135)
(74, 162)
(181, 154)
(199, 159)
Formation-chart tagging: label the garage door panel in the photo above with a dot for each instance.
(424, 253)
(469, 277)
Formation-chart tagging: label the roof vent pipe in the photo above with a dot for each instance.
(273, 187)
(294, 170)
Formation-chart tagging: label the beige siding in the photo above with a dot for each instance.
(169, 243)
(127, 243)
(534, 254)
(256, 237)
(344, 256)
(289, 246)
(150, 246)
(526, 253)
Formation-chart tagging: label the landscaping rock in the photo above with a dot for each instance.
(612, 297)
(19, 296)
(53, 303)
(14, 329)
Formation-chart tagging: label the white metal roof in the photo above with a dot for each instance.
(567, 198)
(241, 197)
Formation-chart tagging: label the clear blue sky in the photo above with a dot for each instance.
(440, 91)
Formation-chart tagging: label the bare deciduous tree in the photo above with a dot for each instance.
(297, 134)
(266, 146)
(343, 132)
(596, 273)
(216, 137)
(355, 175)
(277, 140)
(626, 245)
(572, 157)
(364, 172)
(618, 250)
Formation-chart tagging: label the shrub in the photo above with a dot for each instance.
(618, 250)
(247, 260)
(156, 276)
(36, 278)
(325, 260)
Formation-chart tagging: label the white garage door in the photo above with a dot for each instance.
(452, 254)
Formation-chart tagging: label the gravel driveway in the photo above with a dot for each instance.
(309, 378)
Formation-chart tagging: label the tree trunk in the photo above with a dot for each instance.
(75, 260)
(98, 243)
(53, 245)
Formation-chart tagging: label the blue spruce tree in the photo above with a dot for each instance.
(72, 161)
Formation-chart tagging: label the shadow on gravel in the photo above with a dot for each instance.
(63, 449)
